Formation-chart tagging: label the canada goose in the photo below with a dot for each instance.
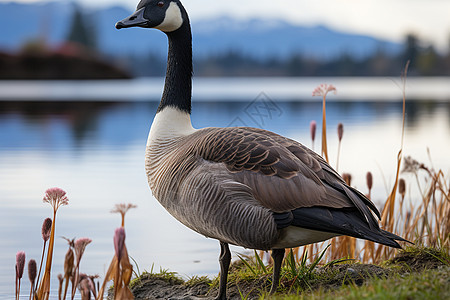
(242, 186)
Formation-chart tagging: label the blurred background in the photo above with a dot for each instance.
(77, 39)
(77, 98)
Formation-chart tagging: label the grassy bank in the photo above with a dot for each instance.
(414, 273)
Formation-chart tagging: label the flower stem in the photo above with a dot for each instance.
(44, 287)
(40, 266)
(324, 129)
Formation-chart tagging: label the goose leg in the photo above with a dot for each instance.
(277, 256)
(225, 259)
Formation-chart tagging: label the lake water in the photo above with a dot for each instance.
(95, 151)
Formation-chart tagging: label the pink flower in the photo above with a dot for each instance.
(32, 270)
(80, 245)
(20, 264)
(46, 229)
(323, 89)
(119, 241)
(122, 208)
(56, 197)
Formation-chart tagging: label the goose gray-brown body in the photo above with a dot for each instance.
(212, 192)
(229, 183)
(242, 186)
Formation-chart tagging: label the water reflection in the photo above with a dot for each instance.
(95, 151)
(73, 125)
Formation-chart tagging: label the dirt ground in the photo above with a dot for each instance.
(155, 286)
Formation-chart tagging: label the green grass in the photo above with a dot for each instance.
(164, 274)
(415, 273)
(417, 258)
(196, 280)
(429, 284)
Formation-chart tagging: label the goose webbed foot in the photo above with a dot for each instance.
(277, 256)
(225, 259)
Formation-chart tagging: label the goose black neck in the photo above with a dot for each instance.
(178, 85)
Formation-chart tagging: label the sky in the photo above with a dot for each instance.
(388, 19)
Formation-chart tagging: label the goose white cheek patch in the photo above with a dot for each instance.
(173, 19)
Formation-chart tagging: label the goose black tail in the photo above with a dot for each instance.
(340, 221)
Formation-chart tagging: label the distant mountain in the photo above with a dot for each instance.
(259, 38)
(275, 38)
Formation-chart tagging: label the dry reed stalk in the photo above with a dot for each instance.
(387, 215)
(352, 242)
(45, 231)
(61, 281)
(343, 248)
(336, 244)
(346, 247)
(402, 192)
(79, 247)
(333, 247)
(120, 269)
(56, 197)
(322, 90)
(407, 226)
(121, 274)
(324, 131)
(439, 212)
(109, 276)
(368, 251)
(429, 215)
(68, 265)
(427, 223)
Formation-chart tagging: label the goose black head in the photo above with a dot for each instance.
(165, 15)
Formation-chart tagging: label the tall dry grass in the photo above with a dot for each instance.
(420, 217)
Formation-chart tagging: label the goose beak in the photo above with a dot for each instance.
(135, 20)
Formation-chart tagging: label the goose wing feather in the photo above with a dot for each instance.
(282, 173)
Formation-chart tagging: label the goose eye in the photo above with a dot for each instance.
(160, 3)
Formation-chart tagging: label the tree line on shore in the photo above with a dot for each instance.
(424, 61)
